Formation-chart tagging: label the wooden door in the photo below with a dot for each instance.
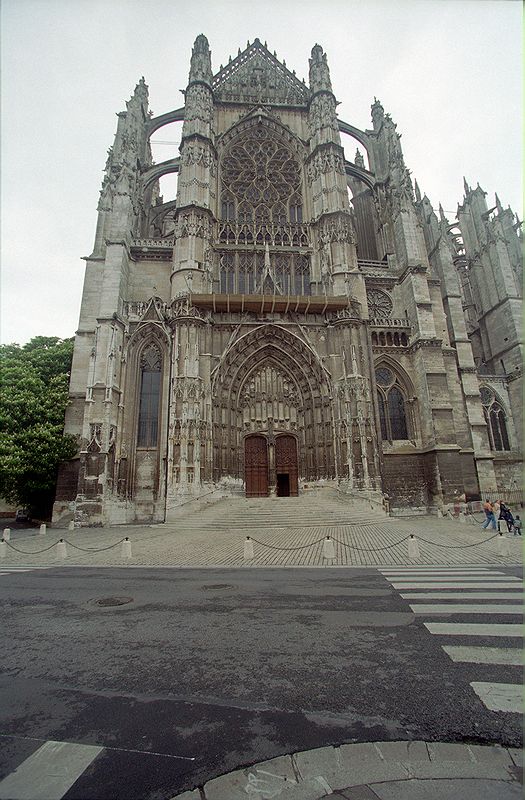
(256, 466)
(286, 463)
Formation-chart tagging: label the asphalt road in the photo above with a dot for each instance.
(207, 670)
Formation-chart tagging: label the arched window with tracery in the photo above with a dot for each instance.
(149, 399)
(392, 406)
(261, 180)
(496, 420)
(261, 204)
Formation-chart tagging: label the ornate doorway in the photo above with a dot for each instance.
(286, 466)
(256, 466)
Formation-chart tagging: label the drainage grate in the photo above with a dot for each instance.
(114, 601)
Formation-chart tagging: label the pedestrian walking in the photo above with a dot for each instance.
(506, 514)
(517, 525)
(488, 508)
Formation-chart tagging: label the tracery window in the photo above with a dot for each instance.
(495, 419)
(242, 272)
(392, 411)
(261, 181)
(379, 303)
(149, 400)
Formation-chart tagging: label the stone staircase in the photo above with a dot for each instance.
(314, 509)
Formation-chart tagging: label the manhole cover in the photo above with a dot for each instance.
(114, 601)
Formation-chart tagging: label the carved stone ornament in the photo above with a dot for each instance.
(379, 304)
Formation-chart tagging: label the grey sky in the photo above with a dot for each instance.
(448, 71)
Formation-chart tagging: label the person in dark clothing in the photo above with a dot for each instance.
(506, 515)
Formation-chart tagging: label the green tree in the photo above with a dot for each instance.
(33, 398)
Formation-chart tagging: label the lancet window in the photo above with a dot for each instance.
(392, 410)
(243, 273)
(495, 419)
(149, 403)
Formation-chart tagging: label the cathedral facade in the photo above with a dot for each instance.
(293, 318)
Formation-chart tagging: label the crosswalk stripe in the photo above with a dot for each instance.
(49, 772)
(432, 585)
(474, 628)
(467, 578)
(466, 608)
(419, 594)
(509, 656)
(500, 696)
(424, 572)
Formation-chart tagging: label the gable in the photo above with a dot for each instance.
(256, 76)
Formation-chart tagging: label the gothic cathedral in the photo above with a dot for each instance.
(293, 318)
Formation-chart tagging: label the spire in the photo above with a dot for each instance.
(319, 72)
(466, 187)
(200, 64)
(416, 190)
(498, 205)
(442, 214)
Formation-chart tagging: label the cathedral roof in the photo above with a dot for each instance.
(257, 76)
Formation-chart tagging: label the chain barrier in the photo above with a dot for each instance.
(376, 549)
(94, 549)
(286, 549)
(45, 549)
(29, 552)
(369, 549)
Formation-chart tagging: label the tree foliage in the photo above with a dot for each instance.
(33, 398)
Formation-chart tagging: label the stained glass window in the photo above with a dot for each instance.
(495, 419)
(392, 411)
(151, 364)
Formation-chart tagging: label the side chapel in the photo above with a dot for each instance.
(292, 318)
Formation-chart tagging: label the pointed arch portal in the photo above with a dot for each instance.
(272, 414)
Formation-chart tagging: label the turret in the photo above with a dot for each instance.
(200, 64)
(319, 72)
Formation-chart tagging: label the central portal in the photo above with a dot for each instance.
(270, 466)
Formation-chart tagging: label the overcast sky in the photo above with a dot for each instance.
(448, 71)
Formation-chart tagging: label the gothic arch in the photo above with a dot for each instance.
(263, 365)
(399, 389)
(148, 341)
(497, 419)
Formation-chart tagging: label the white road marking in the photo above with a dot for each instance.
(500, 696)
(474, 629)
(509, 656)
(467, 578)
(452, 585)
(466, 608)
(421, 595)
(453, 572)
(49, 772)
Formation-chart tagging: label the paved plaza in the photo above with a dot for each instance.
(285, 532)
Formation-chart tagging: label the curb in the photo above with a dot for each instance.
(317, 774)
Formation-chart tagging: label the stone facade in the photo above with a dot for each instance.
(292, 318)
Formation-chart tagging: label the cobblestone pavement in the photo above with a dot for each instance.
(442, 541)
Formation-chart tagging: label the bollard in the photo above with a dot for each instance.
(503, 545)
(3, 549)
(439, 513)
(126, 548)
(61, 549)
(472, 520)
(42, 529)
(462, 518)
(71, 525)
(248, 549)
(328, 549)
(7, 535)
(413, 548)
